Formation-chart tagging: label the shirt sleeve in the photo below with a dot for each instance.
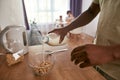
(96, 1)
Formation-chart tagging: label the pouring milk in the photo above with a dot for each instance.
(52, 39)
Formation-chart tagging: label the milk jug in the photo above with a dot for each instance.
(52, 39)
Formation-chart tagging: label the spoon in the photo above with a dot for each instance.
(56, 51)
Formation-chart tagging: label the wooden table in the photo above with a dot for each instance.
(64, 69)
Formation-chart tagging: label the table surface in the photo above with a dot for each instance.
(64, 69)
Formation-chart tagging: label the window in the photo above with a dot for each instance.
(46, 11)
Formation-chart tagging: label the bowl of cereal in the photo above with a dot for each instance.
(41, 63)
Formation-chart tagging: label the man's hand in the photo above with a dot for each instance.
(62, 32)
(90, 55)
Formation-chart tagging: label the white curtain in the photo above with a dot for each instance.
(46, 11)
(11, 13)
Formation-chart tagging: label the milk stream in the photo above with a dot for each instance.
(42, 48)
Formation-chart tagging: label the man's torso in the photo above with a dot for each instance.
(108, 32)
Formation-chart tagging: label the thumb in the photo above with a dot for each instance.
(85, 64)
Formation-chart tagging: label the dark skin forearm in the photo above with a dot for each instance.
(85, 17)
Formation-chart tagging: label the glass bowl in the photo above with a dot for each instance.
(41, 63)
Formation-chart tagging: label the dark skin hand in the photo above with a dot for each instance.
(60, 32)
(90, 55)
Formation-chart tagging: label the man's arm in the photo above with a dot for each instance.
(85, 17)
(80, 21)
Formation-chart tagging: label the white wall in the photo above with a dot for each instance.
(11, 13)
(91, 27)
